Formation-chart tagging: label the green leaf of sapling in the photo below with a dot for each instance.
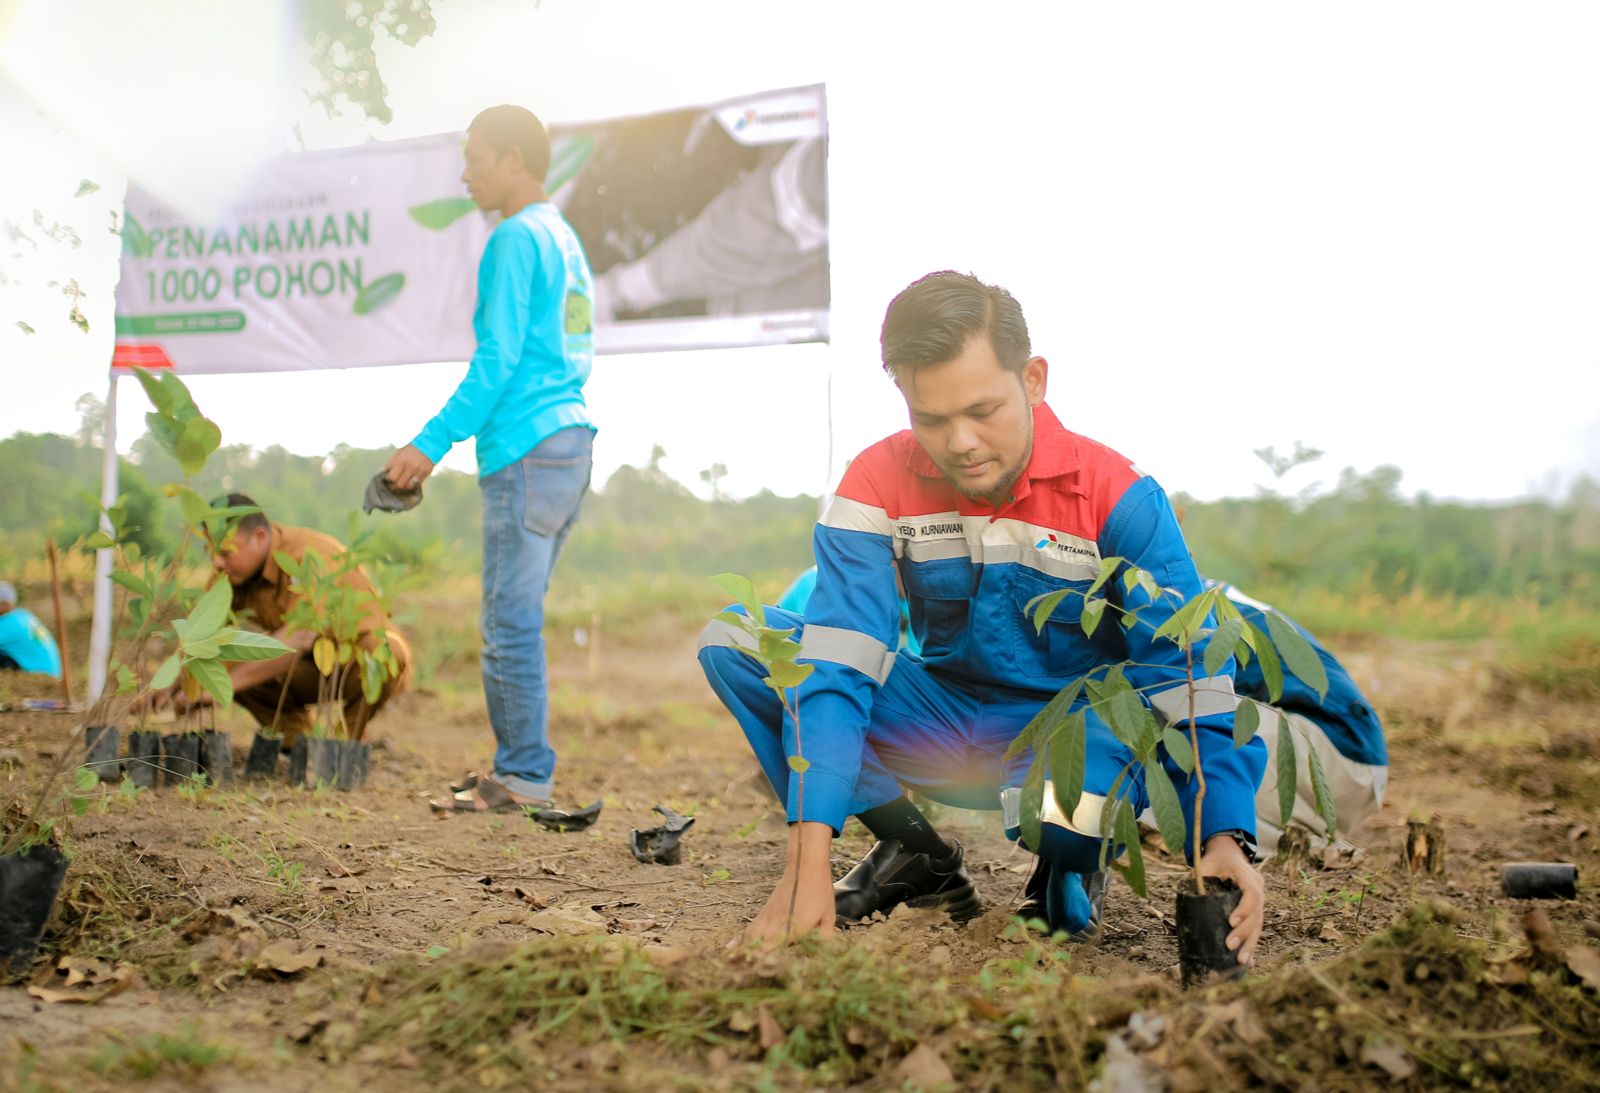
(1246, 722)
(1297, 653)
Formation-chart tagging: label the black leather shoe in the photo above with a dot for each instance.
(1035, 905)
(890, 875)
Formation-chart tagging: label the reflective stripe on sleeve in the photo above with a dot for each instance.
(848, 515)
(851, 648)
(725, 634)
(1212, 695)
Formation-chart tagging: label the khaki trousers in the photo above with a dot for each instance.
(286, 703)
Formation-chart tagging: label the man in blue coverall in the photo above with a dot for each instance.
(522, 398)
(984, 504)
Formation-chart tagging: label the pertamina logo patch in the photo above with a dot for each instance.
(1051, 545)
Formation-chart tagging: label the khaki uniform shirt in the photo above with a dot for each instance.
(269, 596)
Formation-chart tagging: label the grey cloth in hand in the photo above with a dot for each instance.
(381, 495)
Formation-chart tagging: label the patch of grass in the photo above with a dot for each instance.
(845, 1014)
(1425, 616)
(1560, 657)
(162, 1055)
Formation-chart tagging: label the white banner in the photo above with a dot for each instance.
(706, 227)
(341, 259)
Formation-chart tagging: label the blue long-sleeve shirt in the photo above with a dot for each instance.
(535, 344)
(25, 640)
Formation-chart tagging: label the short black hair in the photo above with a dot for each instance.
(934, 318)
(243, 523)
(517, 129)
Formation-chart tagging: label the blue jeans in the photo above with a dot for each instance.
(529, 508)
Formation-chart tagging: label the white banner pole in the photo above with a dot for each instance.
(100, 632)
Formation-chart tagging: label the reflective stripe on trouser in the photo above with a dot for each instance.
(925, 735)
(1357, 787)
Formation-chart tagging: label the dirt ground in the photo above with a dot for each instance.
(185, 885)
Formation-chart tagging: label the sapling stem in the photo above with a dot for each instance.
(800, 818)
(1199, 770)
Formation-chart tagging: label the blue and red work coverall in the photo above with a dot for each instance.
(875, 722)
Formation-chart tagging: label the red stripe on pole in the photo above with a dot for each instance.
(140, 356)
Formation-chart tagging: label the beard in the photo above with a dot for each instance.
(995, 491)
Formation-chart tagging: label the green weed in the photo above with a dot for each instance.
(160, 1054)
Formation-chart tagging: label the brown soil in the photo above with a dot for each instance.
(365, 877)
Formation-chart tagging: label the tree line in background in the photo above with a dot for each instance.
(1358, 536)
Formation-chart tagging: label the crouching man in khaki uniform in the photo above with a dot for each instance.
(280, 693)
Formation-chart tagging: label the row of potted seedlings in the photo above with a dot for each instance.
(155, 759)
(31, 877)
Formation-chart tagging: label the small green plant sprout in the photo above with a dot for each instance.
(347, 616)
(154, 593)
(1208, 629)
(205, 643)
(155, 606)
(775, 649)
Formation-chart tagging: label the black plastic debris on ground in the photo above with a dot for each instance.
(557, 819)
(659, 845)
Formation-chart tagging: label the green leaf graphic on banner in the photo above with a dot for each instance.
(440, 214)
(379, 293)
(134, 240)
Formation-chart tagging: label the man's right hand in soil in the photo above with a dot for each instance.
(1222, 857)
(802, 902)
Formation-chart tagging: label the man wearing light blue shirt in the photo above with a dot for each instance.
(25, 644)
(522, 398)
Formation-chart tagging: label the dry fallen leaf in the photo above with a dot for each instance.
(1541, 936)
(83, 969)
(924, 1067)
(1510, 973)
(1584, 963)
(567, 922)
(1390, 1059)
(1341, 857)
(772, 1033)
(538, 903)
(84, 980)
(284, 958)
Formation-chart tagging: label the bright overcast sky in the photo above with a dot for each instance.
(1370, 227)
